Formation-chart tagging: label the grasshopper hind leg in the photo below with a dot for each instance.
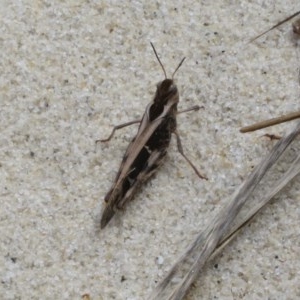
(180, 150)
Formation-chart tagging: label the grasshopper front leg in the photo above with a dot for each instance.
(193, 108)
(118, 127)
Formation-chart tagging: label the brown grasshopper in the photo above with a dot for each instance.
(149, 147)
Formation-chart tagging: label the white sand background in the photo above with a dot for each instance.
(72, 69)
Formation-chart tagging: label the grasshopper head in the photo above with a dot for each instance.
(166, 89)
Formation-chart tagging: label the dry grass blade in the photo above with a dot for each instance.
(177, 282)
(278, 24)
(292, 172)
(271, 122)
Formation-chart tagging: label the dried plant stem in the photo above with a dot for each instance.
(271, 122)
(210, 241)
(278, 24)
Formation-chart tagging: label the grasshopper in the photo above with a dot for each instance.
(148, 148)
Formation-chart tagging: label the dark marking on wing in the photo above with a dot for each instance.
(158, 141)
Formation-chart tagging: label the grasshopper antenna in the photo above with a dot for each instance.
(159, 60)
(178, 67)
